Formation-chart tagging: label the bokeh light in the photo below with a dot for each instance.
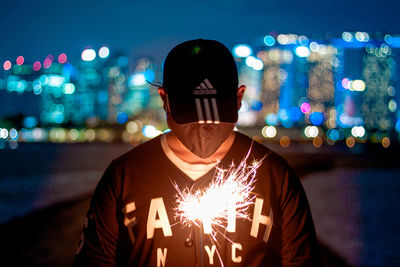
(284, 141)
(358, 131)
(37, 65)
(386, 142)
(150, 131)
(47, 63)
(302, 51)
(242, 50)
(268, 131)
(88, 54)
(316, 118)
(62, 58)
(311, 131)
(104, 52)
(269, 40)
(305, 107)
(68, 88)
(254, 63)
(317, 142)
(350, 142)
(271, 119)
(20, 60)
(7, 65)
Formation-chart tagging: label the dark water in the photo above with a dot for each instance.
(354, 197)
(356, 213)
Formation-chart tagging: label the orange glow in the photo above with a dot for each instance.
(284, 141)
(317, 142)
(386, 142)
(350, 142)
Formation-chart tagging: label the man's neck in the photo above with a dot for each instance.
(186, 155)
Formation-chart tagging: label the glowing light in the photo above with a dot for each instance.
(242, 50)
(88, 54)
(268, 131)
(316, 118)
(62, 58)
(302, 51)
(358, 131)
(90, 135)
(311, 131)
(303, 40)
(357, 85)
(3, 133)
(391, 91)
(122, 117)
(105, 135)
(37, 65)
(132, 127)
(269, 40)
(388, 39)
(283, 39)
(150, 131)
(350, 142)
(57, 135)
(284, 141)
(13, 134)
(216, 207)
(305, 107)
(362, 36)
(256, 105)
(398, 125)
(104, 52)
(392, 105)
(37, 87)
(47, 63)
(314, 46)
(7, 65)
(254, 63)
(137, 79)
(346, 83)
(386, 142)
(348, 37)
(68, 88)
(58, 117)
(317, 142)
(149, 75)
(333, 134)
(29, 122)
(272, 119)
(55, 80)
(20, 60)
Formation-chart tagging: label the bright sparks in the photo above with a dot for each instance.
(229, 196)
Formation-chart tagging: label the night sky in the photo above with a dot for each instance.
(35, 29)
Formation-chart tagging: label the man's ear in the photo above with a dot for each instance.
(240, 93)
(164, 96)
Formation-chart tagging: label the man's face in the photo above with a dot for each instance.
(202, 139)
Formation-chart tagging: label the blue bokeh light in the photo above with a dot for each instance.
(317, 118)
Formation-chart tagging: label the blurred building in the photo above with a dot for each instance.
(292, 82)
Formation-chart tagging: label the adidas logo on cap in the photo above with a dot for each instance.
(206, 88)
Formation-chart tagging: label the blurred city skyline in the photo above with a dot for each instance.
(333, 89)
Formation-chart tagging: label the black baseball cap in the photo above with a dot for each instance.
(201, 79)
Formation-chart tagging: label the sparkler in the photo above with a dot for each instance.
(229, 196)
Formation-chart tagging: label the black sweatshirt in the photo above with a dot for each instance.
(131, 220)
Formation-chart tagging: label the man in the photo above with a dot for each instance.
(132, 220)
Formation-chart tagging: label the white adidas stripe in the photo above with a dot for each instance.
(207, 85)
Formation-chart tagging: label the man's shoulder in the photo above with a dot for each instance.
(149, 150)
(259, 151)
